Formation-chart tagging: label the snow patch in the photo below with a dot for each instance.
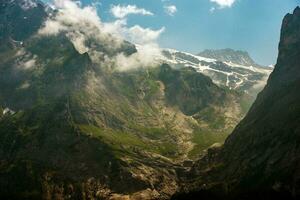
(236, 76)
(8, 111)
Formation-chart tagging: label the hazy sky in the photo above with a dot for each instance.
(195, 25)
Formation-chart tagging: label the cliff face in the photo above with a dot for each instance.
(265, 145)
(262, 154)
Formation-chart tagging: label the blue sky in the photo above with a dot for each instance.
(195, 25)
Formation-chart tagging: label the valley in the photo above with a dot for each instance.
(85, 115)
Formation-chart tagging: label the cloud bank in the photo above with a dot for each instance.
(86, 31)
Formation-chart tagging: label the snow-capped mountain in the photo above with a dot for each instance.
(235, 76)
(230, 55)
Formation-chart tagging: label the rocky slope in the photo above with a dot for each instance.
(260, 159)
(74, 128)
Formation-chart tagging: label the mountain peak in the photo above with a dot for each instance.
(290, 41)
(297, 10)
(229, 55)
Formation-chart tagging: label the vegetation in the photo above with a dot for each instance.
(204, 139)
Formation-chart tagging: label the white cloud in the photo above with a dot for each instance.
(170, 10)
(29, 64)
(79, 25)
(140, 35)
(25, 61)
(120, 12)
(224, 3)
(148, 51)
(85, 30)
(135, 34)
(147, 56)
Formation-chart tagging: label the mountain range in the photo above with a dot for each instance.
(234, 70)
(75, 126)
(230, 56)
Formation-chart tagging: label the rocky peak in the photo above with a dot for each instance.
(230, 55)
(290, 41)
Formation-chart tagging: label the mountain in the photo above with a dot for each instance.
(19, 19)
(230, 56)
(227, 68)
(72, 127)
(260, 159)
